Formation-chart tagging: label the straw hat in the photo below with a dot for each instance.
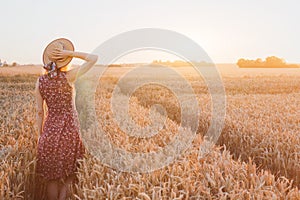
(61, 43)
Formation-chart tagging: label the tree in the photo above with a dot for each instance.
(241, 62)
(14, 64)
(274, 61)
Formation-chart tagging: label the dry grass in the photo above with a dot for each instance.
(254, 128)
(261, 119)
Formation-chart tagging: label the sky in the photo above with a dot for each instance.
(226, 30)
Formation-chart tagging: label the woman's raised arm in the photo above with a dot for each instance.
(73, 74)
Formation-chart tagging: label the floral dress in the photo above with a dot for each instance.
(59, 145)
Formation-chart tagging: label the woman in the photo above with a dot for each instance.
(59, 145)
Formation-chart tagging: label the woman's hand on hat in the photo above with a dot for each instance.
(61, 54)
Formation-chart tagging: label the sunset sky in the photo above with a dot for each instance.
(227, 30)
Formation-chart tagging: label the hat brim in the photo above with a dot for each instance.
(61, 43)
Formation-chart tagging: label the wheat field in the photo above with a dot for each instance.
(256, 157)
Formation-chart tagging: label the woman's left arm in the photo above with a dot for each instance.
(39, 108)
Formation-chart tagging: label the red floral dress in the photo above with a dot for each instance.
(59, 145)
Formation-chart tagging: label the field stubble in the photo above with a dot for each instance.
(259, 139)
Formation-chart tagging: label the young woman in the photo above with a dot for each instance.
(59, 144)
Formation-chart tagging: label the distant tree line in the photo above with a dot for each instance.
(270, 62)
(5, 64)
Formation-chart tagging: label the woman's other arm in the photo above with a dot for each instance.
(39, 108)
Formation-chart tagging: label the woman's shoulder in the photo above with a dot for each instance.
(64, 73)
(39, 80)
(41, 77)
(67, 78)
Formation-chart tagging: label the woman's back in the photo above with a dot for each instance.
(57, 92)
(59, 144)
